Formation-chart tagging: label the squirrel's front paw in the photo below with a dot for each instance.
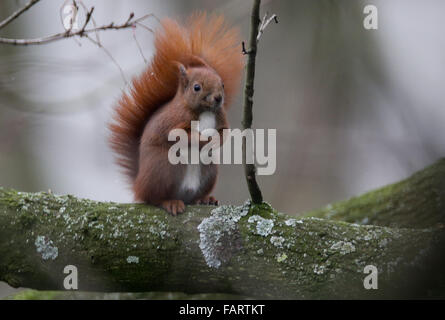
(173, 206)
(208, 200)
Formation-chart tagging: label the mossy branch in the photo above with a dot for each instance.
(248, 250)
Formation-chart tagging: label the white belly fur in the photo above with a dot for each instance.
(207, 120)
(192, 178)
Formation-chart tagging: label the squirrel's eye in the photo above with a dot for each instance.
(196, 87)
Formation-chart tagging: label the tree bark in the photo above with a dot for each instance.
(250, 250)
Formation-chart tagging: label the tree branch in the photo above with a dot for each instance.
(16, 14)
(414, 203)
(249, 250)
(80, 33)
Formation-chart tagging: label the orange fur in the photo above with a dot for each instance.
(203, 38)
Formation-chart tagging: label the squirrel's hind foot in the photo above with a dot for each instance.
(173, 206)
(207, 200)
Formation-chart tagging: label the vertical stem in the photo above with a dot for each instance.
(250, 169)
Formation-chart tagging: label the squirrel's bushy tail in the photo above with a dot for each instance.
(205, 36)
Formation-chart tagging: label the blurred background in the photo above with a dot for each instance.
(354, 109)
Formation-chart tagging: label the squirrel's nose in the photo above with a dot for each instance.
(218, 98)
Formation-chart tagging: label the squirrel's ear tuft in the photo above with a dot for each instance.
(183, 76)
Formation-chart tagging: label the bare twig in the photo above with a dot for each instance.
(144, 26)
(131, 16)
(139, 46)
(264, 23)
(83, 32)
(80, 33)
(87, 20)
(250, 169)
(97, 43)
(244, 50)
(92, 19)
(16, 14)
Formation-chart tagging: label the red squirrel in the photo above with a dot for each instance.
(193, 75)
